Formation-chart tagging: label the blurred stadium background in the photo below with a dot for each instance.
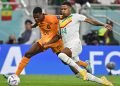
(14, 13)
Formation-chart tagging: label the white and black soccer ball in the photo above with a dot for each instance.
(13, 80)
(111, 65)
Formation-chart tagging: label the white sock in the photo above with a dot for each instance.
(69, 61)
(91, 77)
(94, 78)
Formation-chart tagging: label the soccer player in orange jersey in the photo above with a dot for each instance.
(48, 26)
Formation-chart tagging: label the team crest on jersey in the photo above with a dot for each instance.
(65, 22)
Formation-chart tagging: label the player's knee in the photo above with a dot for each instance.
(63, 57)
(67, 51)
(28, 55)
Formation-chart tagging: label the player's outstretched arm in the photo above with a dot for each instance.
(96, 23)
(53, 40)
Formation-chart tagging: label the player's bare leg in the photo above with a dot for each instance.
(65, 56)
(82, 63)
(35, 49)
(86, 65)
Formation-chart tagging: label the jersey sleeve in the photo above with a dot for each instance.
(80, 17)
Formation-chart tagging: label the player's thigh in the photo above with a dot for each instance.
(67, 51)
(58, 48)
(75, 48)
(76, 59)
(35, 49)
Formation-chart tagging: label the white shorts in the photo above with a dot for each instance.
(76, 48)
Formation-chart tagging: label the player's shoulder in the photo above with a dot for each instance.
(79, 17)
(76, 14)
(50, 16)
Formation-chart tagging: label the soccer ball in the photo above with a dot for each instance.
(111, 65)
(13, 80)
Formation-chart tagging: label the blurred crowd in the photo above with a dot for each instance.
(81, 2)
(102, 36)
(28, 36)
(58, 2)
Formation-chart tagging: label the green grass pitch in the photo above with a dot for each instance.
(57, 80)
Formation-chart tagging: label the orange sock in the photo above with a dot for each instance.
(22, 65)
(82, 63)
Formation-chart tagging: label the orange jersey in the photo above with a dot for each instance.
(49, 27)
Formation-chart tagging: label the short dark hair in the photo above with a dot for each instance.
(67, 3)
(37, 10)
(28, 21)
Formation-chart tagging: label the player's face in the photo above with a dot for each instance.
(65, 10)
(38, 17)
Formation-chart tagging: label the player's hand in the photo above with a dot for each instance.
(34, 25)
(107, 26)
(45, 44)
